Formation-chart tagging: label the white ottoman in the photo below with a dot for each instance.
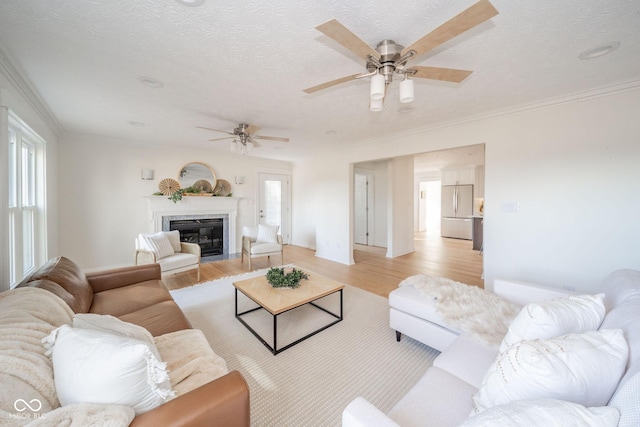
(413, 314)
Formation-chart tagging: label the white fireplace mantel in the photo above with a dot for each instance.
(161, 206)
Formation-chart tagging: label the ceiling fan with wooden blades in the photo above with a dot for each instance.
(244, 135)
(390, 57)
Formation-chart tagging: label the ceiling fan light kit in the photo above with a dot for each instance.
(406, 91)
(376, 105)
(378, 86)
(389, 57)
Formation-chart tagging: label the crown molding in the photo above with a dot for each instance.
(12, 72)
(618, 87)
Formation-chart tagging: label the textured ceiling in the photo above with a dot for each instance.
(226, 62)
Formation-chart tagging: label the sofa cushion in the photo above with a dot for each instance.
(127, 299)
(439, 398)
(455, 359)
(582, 368)
(623, 298)
(94, 366)
(543, 413)
(265, 248)
(178, 260)
(158, 319)
(567, 315)
(68, 275)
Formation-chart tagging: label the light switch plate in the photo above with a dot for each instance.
(510, 207)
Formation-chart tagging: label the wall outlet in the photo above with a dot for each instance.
(510, 207)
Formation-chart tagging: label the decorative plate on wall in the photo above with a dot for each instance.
(223, 188)
(168, 186)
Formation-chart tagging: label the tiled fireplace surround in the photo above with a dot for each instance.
(162, 211)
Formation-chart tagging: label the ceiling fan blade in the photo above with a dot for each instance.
(220, 139)
(329, 84)
(255, 144)
(346, 38)
(215, 130)
(475, 15)
(252, 129)
(436, 73)
(270, 138)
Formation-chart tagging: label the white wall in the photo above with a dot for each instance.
(572, 167)
(381, 197)
(401, 201)
(103, 208)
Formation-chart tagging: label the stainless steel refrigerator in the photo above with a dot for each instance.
(457, 211)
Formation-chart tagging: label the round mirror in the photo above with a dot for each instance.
(198, 175)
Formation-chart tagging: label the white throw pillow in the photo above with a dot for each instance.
(111, 324)
(581, 368)
(158, 243)
(267, 233)
(174, 239)
(100, 367)
(567, 315)
(544, 413)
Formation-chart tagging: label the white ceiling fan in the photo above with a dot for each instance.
(243, 137)
(390, 57)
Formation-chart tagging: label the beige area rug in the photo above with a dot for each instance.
(312, 382)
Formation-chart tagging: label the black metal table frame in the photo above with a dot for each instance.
(275, 350)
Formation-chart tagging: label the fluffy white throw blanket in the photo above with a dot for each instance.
(467, 308)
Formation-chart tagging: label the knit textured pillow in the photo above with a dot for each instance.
(267, 233)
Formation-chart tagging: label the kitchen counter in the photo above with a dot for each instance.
(477, 232)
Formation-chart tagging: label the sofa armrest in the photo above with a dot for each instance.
(191, 248)
(361, 413)
(222, 402)
(523, 293)
(144, 257)
(246, 244)
(119, 277)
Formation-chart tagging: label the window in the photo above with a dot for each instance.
(26, 200)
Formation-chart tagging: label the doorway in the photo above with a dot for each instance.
(363, 209)
(429, 205)
(274, 206)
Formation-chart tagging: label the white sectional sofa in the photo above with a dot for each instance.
(444, 396)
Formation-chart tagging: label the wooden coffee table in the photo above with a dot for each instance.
(277, 301)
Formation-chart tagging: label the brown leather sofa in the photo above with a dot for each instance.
(137, 295)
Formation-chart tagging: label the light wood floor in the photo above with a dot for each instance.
(372, 271)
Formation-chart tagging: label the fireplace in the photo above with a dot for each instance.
(208, 233)
(203, 209)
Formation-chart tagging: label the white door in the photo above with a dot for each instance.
(274, 207)
(361, 226)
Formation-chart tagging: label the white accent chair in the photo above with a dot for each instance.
(261, 240)
(166, 249)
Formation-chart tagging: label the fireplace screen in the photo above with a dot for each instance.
(208, 233)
